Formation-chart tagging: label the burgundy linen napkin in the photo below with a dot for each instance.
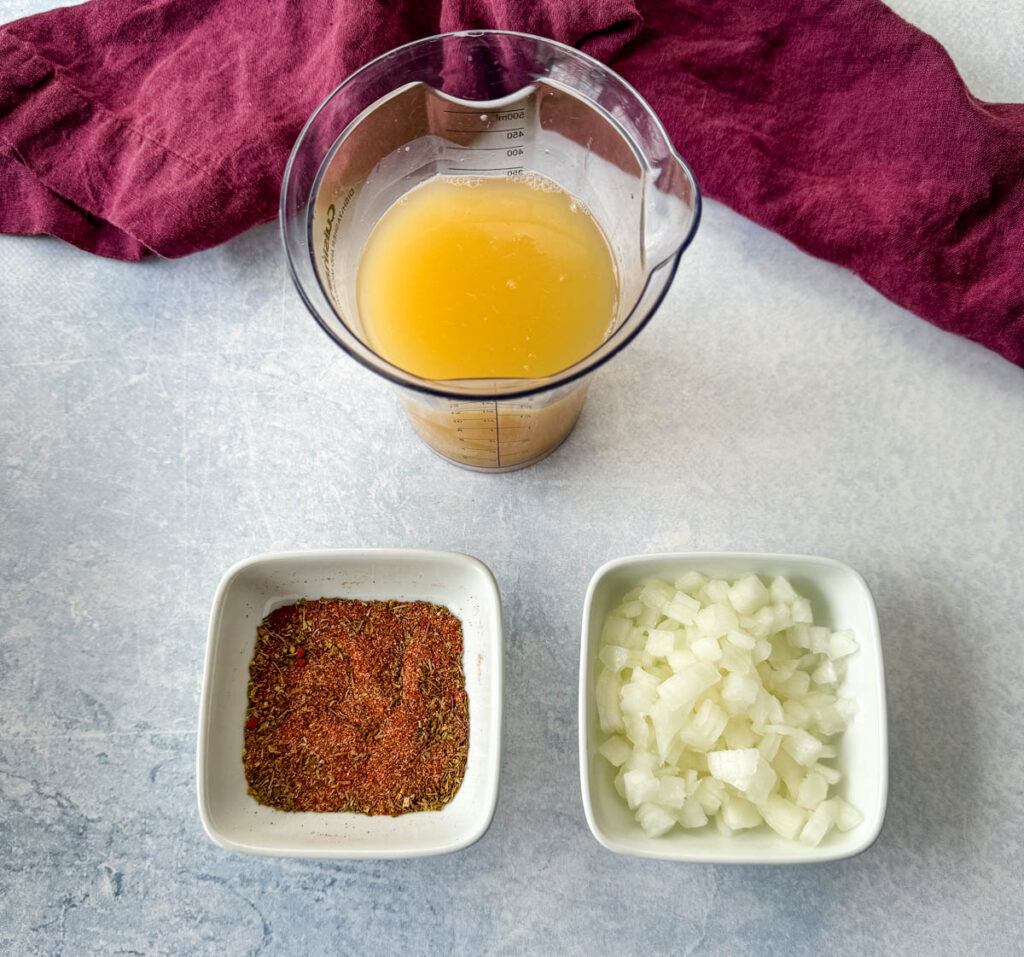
(129, 126)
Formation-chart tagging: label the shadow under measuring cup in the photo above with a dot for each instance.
(485, 104)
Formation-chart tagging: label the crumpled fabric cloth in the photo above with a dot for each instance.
(136, 126)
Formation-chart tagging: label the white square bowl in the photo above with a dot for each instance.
(839, 599)
(253, 588)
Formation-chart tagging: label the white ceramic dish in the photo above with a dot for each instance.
(251, 589)
(840, 599)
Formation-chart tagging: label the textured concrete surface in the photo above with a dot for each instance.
(162, 420)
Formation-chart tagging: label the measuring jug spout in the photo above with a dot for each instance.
(672, 207)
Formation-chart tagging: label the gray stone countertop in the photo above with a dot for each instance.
(163, 420)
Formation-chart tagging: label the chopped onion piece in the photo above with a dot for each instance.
(614, 657)
(803, 748)
(637, 696)
(710, 794)
(819, 823)
(782, 591)
(655, 820)
(769, 746)
(829, 721)
(740, 690)
(791, 774)
(748, 595)
(706, 649)
(615, 630)
(761, 624)
(705, 727)
(847, 707)
(715, 592)
(680, 661)
(682, 608)
(693, 814)
(796, 685)
(606, 695)
(782, 816)
(648, 618)
(642, 761)
(825, 673)
(666, 721)
(741, 639)
(616, 750)
(641, 785)
(745, 769)
(660, 642)
(796, 713)
(739, 734)
(685, 687)
(672, 792)
(813, 790)
(762, 649)
(691, 582)
(716, 620)
(832, 775)
(841, 644)
(735, 659)
(848, 817)
(739, 814)
(820, 639)
(637, 730)
(783, 617)
(800, 611)
(799, 636)
(655, 595)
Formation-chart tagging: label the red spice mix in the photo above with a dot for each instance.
(357, 706)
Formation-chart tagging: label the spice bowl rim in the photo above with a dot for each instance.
(839, 586)
(230, 817)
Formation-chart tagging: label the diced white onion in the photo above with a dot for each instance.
(691, 582)
(616, 750)
(748, 595)
(848, 817)
(813, 790)
(819, 823)
(641, 785)
(660, 642)
(718, 701)
(741, 639)
(693, 814)
(782, 816)
(841, 644)
(656, 595)
(654, 820)
(614, 657)
(682, 608)
(803, 748)
(740, 814)
(672, 792)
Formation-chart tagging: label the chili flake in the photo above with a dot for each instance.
(374, 719)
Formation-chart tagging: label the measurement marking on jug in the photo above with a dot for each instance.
(497, 435)
(514, 151)
(516, 133)
(499, 117)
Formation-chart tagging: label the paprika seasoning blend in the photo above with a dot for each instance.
(357, 706)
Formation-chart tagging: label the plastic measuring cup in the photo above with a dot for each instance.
(485, 103)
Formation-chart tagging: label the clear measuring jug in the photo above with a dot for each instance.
(485, 103)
